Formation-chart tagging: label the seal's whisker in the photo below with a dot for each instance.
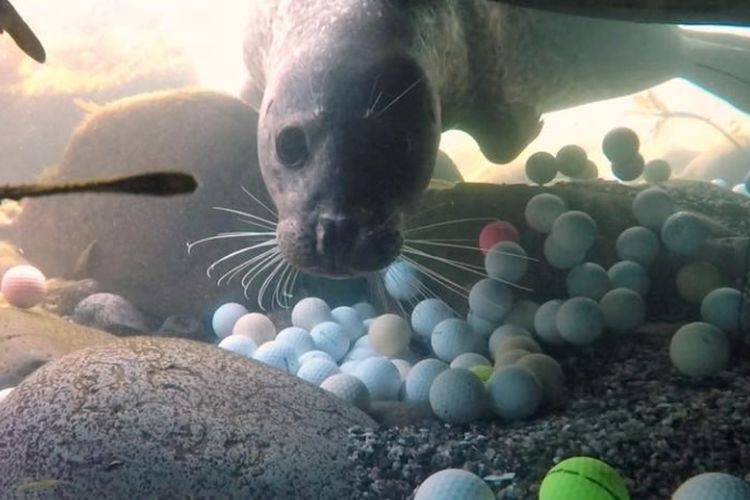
(233, 272)
(460, 265)
(252, 274)
(231, 255)
(259, 202)
(257, 260)
(238, 234)
(376, 288)
(369, 107)
(421, 213)
(285, 293)
(290, 295)
(279, 283)
(439, 278)
(268, 224)
(399, 97)
(267, 283)
(262, 263)
(448, 222)
(469, 247)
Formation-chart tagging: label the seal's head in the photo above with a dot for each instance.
(346, 144)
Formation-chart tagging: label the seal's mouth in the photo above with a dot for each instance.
(339, 247)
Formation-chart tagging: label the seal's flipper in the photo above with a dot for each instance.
(720, 63)
(503, 132)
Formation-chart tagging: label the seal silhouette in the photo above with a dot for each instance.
(353, 95)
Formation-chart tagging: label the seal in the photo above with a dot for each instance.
(353, 94)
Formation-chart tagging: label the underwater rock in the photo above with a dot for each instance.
(31, 338)
(727, 215)
(172, 418)
(110, 312)
(186, 327)
(63, 296)
(143, 256)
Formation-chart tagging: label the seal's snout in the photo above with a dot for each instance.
(346, 247)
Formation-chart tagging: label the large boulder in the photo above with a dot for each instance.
(32, 338)
(136, 246)
(172, 418)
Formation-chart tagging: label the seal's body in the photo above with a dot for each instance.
(353, 95)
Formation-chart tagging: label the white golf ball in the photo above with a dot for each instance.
(427, 314)
(514, 392)
(579, 320)
(381, 378)
(699, 350)
(239, 344)
(506, 261)
(574, 231)
(542, 210)
(713, 485)
(297, 338)
(317, 370)
(490, 299)
(623, 310)
(629, 274)
(454, 484)
(652, 206)
(225, 316)
(349, 388)
(638, 244)
(277, 355)
(588, 280)
(457, 396)
(351, 320)
(331, 337)
(452, 337)
(727, 308)
(310, 311)
(420, 378)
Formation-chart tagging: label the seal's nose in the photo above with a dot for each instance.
(336, 236)
(348, 246)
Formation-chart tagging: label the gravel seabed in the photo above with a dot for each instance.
(626, 405)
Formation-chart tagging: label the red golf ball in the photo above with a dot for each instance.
(495, 232)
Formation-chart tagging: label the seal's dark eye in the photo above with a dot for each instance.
(291, 146)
